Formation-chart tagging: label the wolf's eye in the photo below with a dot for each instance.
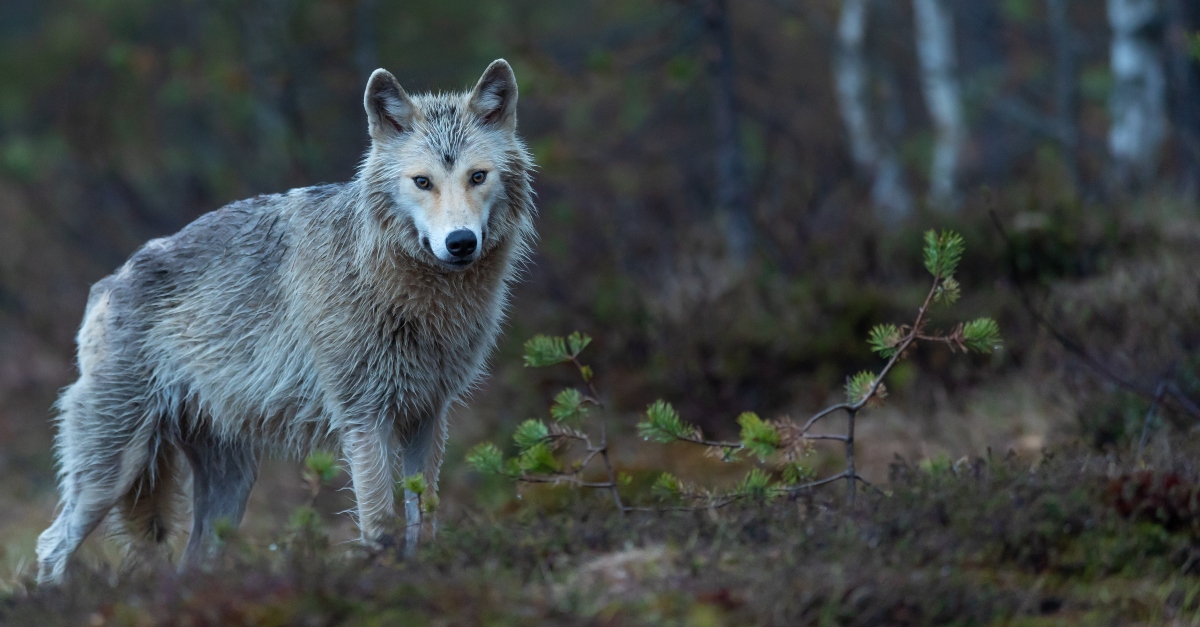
(422, 182)
(479, 177)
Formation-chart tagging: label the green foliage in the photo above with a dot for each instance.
(531, 433)
(947, 291)
(542, 351)
(858, 386)
(570, 406)
(793, 473)
(415, 484)
(487, 459)
(577, 342)
(982, 335)
(321, 467)
(305, 519)
(943, 253)
(666, 487)
(662, 424)
(538, 459)
(884, 340)
(1193, 41)
(758, 436)
(757, 485)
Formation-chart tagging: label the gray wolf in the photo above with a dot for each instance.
(346, 315)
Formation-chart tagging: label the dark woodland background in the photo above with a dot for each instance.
(702, 212)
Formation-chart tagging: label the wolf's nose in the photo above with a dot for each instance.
(461, 243)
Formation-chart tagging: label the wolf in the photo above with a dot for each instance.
(348, 315)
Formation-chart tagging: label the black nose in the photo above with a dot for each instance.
(461, 243)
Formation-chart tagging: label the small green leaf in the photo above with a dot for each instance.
(758, 436)
(487, 459)
(884, 339)
(624, 478)
(543, 350)
(538, 459)
(982, 335)
(577, 342)
(430, 503)
(569, 406)
(662, 424)
(530, 433)
(586, 373)
(666, 487)
(415, 484)
(943, 252)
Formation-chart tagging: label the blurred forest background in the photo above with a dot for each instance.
(731, 195)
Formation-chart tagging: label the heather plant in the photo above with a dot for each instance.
(560, 451)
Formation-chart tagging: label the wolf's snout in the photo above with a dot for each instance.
(461, 243)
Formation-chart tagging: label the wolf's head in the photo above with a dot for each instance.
(448, 172)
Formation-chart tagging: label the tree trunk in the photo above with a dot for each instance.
(852, 79)
(730, 163)
(1138, 104)
(937, 56)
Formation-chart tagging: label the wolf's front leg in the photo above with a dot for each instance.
(368, 451)
(422, 454)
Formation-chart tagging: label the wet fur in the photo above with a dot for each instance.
(285, 323)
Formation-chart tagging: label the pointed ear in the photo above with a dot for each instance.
(494, 98)
(389, 109)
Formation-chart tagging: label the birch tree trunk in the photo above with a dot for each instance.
(852, 79)
(1138, 101)
(730, 162)
(937, 56)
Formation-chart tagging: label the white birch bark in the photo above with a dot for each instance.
(938, 59)
(852, 80)
(1138, 101)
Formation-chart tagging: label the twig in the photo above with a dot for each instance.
(1158, 395)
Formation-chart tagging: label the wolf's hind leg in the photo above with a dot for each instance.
(147, 514)
(91, 489)
(223, 474)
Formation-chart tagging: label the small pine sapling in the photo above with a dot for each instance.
(558, 451)
(789, 440)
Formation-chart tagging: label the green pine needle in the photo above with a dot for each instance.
(948, 291)
(662, 424)
(795, 474)
(415, 484)
(943, 252)
(569, 406)
(982, 335)
(530, 433)
(758, 436)
(858, 386)
(757, 485)
(538, 459)
(323, 466)
(543, 350)
(487, 459)
(666, 487)
(884, 340)
(577, 342)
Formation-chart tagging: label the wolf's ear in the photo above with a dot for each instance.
(389, 109)
(494, 99)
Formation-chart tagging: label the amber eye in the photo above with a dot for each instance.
(422, 182)
(479, 177)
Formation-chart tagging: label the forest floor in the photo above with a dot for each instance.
(1074, 537)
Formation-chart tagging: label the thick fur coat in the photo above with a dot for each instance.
(340, 315)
